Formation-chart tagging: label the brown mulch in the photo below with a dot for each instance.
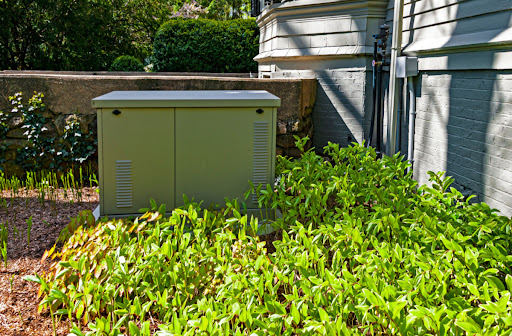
(18, 298)
(269, 240)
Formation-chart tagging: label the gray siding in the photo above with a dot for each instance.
(453, 24)
(341, 100)
(464, 127)
(464, 100)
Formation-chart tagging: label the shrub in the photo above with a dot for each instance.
(126, 63)
(202, 45)
(364, 251)
(44, 149)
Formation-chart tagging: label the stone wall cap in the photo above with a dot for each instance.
(125, 73)
(190, 98)
(65, 75)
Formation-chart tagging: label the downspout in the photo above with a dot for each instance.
(396, 51)
(412, 117)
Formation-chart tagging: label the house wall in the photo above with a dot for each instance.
(463, 93)
(332, 42)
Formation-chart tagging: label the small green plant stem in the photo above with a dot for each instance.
(54, 327)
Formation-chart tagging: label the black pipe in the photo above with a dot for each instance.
(379, 61)
(378, 147)
(374, 95)
(400, 113)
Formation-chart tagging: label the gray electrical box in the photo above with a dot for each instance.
(162, 145)
(406, 66)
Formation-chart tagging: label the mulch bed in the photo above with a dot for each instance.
(18, 298)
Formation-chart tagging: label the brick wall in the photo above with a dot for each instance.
(339, 110)
(464, 127)
(340, 107)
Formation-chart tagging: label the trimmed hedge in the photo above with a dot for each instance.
(126, 63)
(201, 45)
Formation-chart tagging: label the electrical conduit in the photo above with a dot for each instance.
(396, 45)
(412, 117)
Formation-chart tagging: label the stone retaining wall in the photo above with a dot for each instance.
(68, 94)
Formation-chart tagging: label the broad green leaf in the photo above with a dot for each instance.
(508, 280)
(295, 313)
(474, 290)
(324, 317)
(491, 307)
(470, 326)
(374, 300)
(134, 330)
(33, 278)
(495, 282)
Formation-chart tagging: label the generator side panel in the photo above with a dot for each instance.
(136, 159)
(219, 150)
(101, 178)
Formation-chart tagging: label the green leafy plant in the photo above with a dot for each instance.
(3, 251)
(76, 146)
(364, 251)
(43, 150)
(29, 229)
(34, 125)
(4, 235)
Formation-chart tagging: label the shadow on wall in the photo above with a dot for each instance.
(338, 113)
(335, 111)
(471, 130)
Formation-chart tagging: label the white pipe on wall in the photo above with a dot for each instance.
(412, 117)
(396, 46)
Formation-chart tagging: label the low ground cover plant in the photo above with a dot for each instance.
(364, 250)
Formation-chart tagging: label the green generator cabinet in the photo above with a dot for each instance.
(162, 145)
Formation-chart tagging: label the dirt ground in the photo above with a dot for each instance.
(18, 298)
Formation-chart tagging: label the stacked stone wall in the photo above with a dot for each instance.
(69, 94)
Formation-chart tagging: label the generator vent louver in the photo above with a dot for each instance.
(124, 184)
(260, 155)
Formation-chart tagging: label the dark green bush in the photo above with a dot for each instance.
(206, 46)
(87, 35)
(126, 63)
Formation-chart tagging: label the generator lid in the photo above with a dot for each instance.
(206, 98)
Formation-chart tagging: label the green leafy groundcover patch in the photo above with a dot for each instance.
(364, 250)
